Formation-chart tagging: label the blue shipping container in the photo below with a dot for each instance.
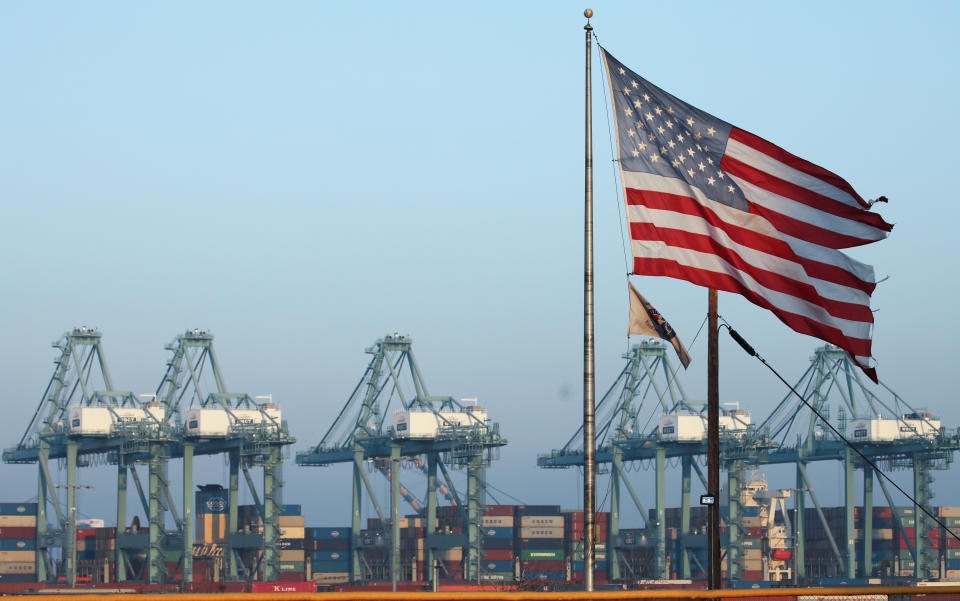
(18, 509)
(330, 545)
(550, 576)
(496, 532)
(330, 555)
(538, 510)
(539, 543)
(498, 544)
(18, 577)
(18, 544)
(953, 564)
(331, 566)
(291, 509)
(326, 533)
(497, 566)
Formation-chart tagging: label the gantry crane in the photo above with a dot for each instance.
(73, 422)
(883, 426)
(251, 435)
(362, 431)
(628, 432)
(790, 435)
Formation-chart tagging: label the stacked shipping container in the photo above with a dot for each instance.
(576, 545)
(497, 532)
(18, 542)
(540, 543)
(329, 550)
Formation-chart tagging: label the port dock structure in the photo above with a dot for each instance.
(83, 421)
(458, 436)
(891, 433)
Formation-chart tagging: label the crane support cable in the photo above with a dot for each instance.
(747, 348)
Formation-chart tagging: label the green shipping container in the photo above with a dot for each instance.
(751, 543)
(496, 576)
(292, 566)
(541, 554)
(953, 553)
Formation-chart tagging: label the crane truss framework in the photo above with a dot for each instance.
(80, 368)
(648, 382)
(361, 434)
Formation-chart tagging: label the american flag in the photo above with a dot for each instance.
(720, 207)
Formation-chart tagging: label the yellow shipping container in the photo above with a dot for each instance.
(753, 565)
(331, 577)
(18, 567)
(291, 555)
(18, 521)
(883, 533)
(290, 521)
(752, 554)
(292, 532)
(752, 521)
(18, 556)
(950, 512)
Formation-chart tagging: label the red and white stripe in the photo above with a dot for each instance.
(781, 255)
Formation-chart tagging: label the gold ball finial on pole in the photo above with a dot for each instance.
(588, 13)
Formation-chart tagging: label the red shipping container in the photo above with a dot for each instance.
(753, 532)
(283, 587)
(911, 534)
(498, 510)
(18, 532)
(752, 575)
(543, 566)
(882, 512)
(291, 577)
(85, 532)
(782, 554)
(497, 555)
(953, 543)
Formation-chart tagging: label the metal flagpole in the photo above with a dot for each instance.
(589, 442)
(713, 436)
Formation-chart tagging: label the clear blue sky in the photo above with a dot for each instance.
(302, 178)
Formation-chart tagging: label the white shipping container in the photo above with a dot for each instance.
(206, 422)
(427, 424)
(90, 420)
(734, 422)
(497, 521)
(550, 521)
(918, 425)
(269, 416)
(676, 426)
(541, 532)
(874, 430)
